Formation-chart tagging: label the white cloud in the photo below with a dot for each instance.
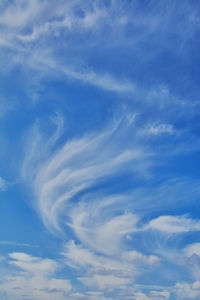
(153, 295)
(190, 259)
(106, 272)
(174, 224)
(94, 293)
(188, 290)
(159, 295)
(34, 280)
(136, 257)
(33, 265)
(157, 129)
(65, 177)
(78, 256)
(35, 20)
(103, 235)
(147, 294)
(140, 296)
(105, 282)
(62, 173)
(99, 222)
(48, 65)
(89, 296)
(3, 184)
(19, 13)
(12, 243)
(192, 249)
(32, 28)
(77, 296)
(78, 165)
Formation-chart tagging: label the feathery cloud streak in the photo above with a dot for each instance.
(65, 181)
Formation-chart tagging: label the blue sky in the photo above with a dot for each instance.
(99, 156)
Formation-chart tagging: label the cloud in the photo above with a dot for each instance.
(156, 129)
(6, 106)
(33, 279)
(46, 64)
(153, 295)
(58, 176)
(146, 293)
(3, 184)
(19, 13)
(192, 249)
(105, 282)
(102, 235)
(190, 259)
(12, 243)
(188, 290)
(106, 272)
(32, 24)
(136, 257)
(177, 191)
(78, 256)
(109, 193)
(63, 182)
(46, 36)
(33, 265)
(174, 224)
(90, 295)
(65, 177)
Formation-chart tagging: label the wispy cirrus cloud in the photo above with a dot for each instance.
(63, 182)
(18, 244)
(3, 184)
(77, 166)
(188, 290)
(40, 26)
(121, 197)
(156, 129)
(24, 17)
(174, 224)
(65, 177)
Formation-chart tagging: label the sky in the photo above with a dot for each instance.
(99, 155)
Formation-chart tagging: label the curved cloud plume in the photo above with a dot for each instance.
(60, 176)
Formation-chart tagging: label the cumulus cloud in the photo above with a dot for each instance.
(153, 295)
(105, 282)
(106, 272)
(34, 278)
(188, 290)
(134, 256)
(32, 264)
(149, 293)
